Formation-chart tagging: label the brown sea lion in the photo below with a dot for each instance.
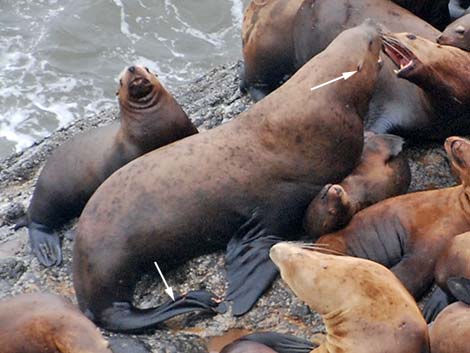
(247, 183)
(457, 34)
(268, 49)
(44, 323)
(454, 262)
(275, 45)
(450, 331)
(382, 173)
(364, 306)
(149, 118)
(443, 74)
(269, 342)
(407, 233)
(435, 12)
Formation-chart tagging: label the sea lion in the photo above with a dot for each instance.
(269, 342)
(149, 118)
(442, 72)
(382, 173)
(268, 50)
(453, 262)
(407, 233)
(247, 183)
(457, 34)
(43, 323)
(458, 8)
(364, 306)
(275, 45)
(449, 332)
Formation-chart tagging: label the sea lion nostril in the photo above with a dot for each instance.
(131, 69)
(411, 36)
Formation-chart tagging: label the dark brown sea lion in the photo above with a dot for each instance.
(450, 331)
(247, 183)
(382, 173)
(149, 118)
(268, 49)
(443, 74)
(44, 323)
(269, 342)
(407, 233)
(364, 306)
(457, 34)
(454, 262)
(275, 45)
(435, 12)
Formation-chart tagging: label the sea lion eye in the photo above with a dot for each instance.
(411, 36)
(460, 30)
(120, 82)
(370, 43)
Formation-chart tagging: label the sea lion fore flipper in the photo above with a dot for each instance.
(250, 271)
(45, 244)
(123, 317)
(438, 301)
(460, 288)
(281, 343)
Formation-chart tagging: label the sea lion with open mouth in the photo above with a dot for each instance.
(407, 233)
(364, 306)
(383, 172)
(246, 183)
(149, 118)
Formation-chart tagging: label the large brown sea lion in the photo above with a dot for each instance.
(450, 331)
(382, 173)
(454, 262)
(149, 118)
(248, 182)
(408, 233)
(275, 45)
(457, 34)
(45, 323)
(364, 306)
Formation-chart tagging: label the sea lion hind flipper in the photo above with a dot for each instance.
(281, 343)
(45, 244)
(460, 288)
(250, 271)
(395, 144)
(438, 301)
(124, 317)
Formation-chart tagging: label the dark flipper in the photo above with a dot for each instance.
(125, 318)
(460, 288)
(250, 271)
(438, 301)
(45, 244)
(281, 343)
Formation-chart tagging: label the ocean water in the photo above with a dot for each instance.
(60, 59)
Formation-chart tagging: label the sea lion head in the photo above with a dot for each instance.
(458, 151)
(138, 87)
(329, 210)
(457, 34)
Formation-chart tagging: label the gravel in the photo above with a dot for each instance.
(211, 100)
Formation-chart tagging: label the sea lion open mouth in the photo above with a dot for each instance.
(139, 87)
(399, 54)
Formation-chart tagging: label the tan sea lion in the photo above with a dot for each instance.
(382, 173)
(45, 323)
(149, 118)
(449, 332)
(246, 183)
(457, 34)
(407, 233)
(364, 306)
(453, 262)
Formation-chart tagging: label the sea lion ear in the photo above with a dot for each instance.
(460, 288)
(438, 301)
(250, 271)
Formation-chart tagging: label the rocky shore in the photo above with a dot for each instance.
(210, 100)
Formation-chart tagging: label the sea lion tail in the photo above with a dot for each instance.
(45, 244)
(460, 288)
(438, 301)
(281, 343)
(124, 317)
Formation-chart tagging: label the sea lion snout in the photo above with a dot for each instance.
(281, 252)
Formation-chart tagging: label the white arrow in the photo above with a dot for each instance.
(168, 290)
(344, 76)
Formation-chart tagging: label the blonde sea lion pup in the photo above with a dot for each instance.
(364, 306)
